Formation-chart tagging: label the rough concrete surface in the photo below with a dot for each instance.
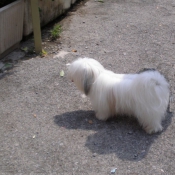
(48, 127)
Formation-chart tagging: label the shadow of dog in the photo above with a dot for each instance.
(122, 135)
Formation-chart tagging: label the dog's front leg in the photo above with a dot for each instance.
(102, 116)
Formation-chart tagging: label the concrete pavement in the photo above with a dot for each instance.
(48, 127)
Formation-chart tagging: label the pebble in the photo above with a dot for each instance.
(135, 155)
(113, 171)
(94, 155)
(130, 132)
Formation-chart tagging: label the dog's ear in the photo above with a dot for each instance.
(88, 80)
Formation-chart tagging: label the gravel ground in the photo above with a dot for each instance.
(48, 127)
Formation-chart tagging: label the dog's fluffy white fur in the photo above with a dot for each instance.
(144, 95)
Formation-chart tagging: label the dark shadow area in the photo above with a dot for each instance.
(2, 75)
(13, 59)
(122, 136)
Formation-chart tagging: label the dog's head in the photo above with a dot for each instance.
(83, 73)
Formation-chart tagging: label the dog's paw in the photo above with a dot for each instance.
(153, 129)
(101, 116)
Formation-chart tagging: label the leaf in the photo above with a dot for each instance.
(25, 49)
(8, 65)
(43, 53)
(62, 73)
(90, 121)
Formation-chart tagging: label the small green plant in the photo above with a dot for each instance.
(43, 53)
(55, 32)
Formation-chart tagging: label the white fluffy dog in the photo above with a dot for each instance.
(144, 95)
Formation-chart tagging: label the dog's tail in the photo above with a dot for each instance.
(151, 93)
(83, 73)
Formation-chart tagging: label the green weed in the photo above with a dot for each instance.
(56, 31)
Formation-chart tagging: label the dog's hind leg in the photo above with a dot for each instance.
(151, 123)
